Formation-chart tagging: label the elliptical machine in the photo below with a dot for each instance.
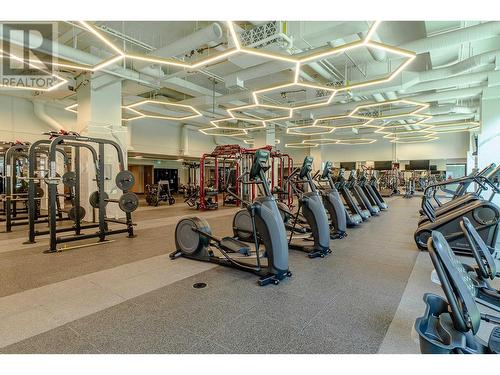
(374, 199)
(450, 325)
(352, 211)
(351, 192)
(194, 239)
(311, 206)
(333, 204)
(361, 196)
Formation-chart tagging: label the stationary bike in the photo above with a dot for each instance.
(194, 238)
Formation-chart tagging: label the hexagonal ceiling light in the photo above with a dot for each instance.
(389, 109)
(415, 121)
(305, 130)
(328, 51)
(336, 53)
(416, 139)
(162, 110)
(342, 121)
(238, 123)
(223, 132)
(340, 141)
(455, 127)
(327, 91)
(251, 141)
(300, 145)
(266, 112)
(410, 133)
(294, 95)
(128, 114)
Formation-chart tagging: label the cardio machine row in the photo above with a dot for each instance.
(265, 230)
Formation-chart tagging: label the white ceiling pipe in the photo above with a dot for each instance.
(409, 83)
(257, 71)
(211, 33)
(453, 38)
(321, 31)
(445, 109)
(40, 113)
(459, 80)
(320, 70)
(449, 95)
(463, 66)
(451, 117)
(391, 95)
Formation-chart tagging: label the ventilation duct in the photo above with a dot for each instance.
(211, 33)
(453, 38)
(40, 113)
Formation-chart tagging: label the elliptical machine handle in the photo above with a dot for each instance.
(240, 178)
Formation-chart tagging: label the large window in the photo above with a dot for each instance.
(455, 170)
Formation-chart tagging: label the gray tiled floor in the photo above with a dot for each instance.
(341, 304)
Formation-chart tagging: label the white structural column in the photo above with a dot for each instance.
(265, 137)
(489, 137)
(316, 153)
(100, 116)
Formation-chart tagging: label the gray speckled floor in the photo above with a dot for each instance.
(344, 303)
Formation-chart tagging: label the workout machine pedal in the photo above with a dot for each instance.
(234, 246)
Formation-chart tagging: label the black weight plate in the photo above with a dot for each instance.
(39, 192)
(94, 199)
(69, 179)
(128, 202)
(124, 180)
(73, 210)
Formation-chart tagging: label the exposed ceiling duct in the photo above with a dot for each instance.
(41, 113)
(211, 33)
(453, 38)
(444, 109)
(464, 66)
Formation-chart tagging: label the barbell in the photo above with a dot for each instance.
(128, 202)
